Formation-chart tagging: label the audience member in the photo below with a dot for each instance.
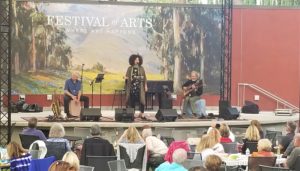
(264, 148)
(31, 130)
(258, 126)
(291, 160)
(174, 146)
(19, 158)
(213, 163)
(61, 166)
(252, 135)
(72, 159)
(288, 138)
(224, 131)
(289, 149)
(156, 148)
(131, 135)
(205, 147)
(56, 134)
(198, 168)
(179, 156)
(95, 146)
(215, 137)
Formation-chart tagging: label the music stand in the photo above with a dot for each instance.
(99, 79)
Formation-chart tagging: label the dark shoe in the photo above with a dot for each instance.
(180, 116)
(144, 118)
(202, 117)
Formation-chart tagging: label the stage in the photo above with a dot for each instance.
(268, 120)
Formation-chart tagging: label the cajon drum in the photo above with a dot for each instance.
(75, 108)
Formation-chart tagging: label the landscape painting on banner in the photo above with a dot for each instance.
(50, 40)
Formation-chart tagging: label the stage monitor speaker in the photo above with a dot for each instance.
(124, 114)
(250, 107)
(230, 113)
(166, 115)
(90, 114)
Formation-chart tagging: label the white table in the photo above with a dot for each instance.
(243, 161)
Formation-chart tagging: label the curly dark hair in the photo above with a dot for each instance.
(133, 57)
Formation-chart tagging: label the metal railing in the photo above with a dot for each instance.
(278, 100)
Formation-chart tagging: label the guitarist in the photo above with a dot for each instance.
(192, 90)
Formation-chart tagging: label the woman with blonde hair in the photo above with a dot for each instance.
(264, 148)
(252, 135)
(131, 135)
(19, 158)
(72, 159)
(215, 137)
(61, 166)
(205, 147)
(258, 126)
(56, 134)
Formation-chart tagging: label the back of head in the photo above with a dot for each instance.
(204, 143)
(57, 130)
(72, 159)
(224, 130)
(179, 155)
(132, 134)
(32, 122)
(291, 126)
(146, 133)
(61, 166)
(197, 168)
(215, 135)
(213, 163)
(95, 130)
(264, 145)
(257, 124)
(252, 133)
(15, 150)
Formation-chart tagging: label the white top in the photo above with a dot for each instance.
(207, 152)
(218, 148)
(156, 146)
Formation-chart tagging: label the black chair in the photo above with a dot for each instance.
(138, 162)
(254, 162)
(271, 135)
(230, 148)
(100, 162)
(27, 140)
(167, 140)
(192, 148)
(57, 149)
(270, 168)
(252, 146)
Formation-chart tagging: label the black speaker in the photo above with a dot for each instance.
(250, 107)
(166, 115)
(230, 113)
(90, 114)
(124, 115)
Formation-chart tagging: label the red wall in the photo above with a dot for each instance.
(266, 45)
(266, 52)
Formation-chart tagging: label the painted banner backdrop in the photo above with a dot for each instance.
(50, 40)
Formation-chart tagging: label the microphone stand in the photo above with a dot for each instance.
(81, 78)
(92, 84)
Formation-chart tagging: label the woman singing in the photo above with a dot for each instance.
(136, 83)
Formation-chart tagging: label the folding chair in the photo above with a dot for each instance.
(117, 165)
(254, 162)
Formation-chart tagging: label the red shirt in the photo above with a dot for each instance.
(225, 140)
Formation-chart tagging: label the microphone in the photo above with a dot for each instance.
(91, 82)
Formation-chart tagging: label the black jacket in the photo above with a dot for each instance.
(96, 146)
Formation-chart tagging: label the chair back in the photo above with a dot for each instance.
(41, 164)
(254, 162)
(270, 168)
(138, 162)
(27, 140)
(100, 162)
(188, 163)
(252, 146)
(194, 155)
(271, 135)
(117, 165)
(57, 149)
(86, 168)
(230, 148)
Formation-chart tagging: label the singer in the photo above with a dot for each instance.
(72, 91)
(136, 84)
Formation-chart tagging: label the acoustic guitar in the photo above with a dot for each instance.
(190, 88)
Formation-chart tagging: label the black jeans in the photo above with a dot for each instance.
(136, 100)
(67, 100)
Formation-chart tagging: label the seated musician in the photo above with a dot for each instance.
(193, 89)
(72, 91)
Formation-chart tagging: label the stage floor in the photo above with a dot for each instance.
(107, 121)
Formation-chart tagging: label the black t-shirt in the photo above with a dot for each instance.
(198, 91)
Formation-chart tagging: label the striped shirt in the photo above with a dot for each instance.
(20, 164)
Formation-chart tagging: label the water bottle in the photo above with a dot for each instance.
(247, 152)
